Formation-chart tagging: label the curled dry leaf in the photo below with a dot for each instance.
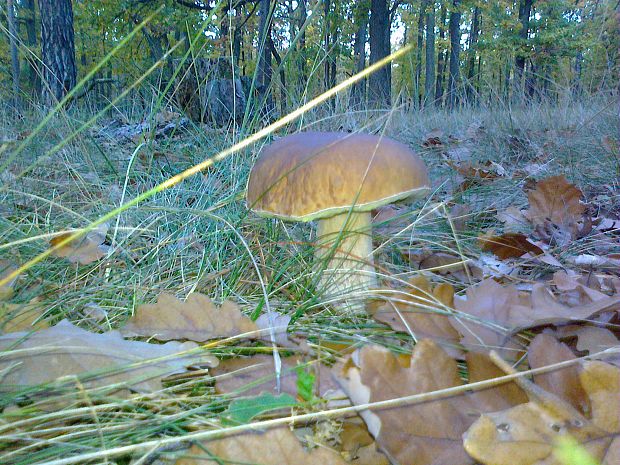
(417, 434)
(556, 211)
(84, 250)
(422, 311)
(197, 319)
(65, 350)
(252, 375)
(272, 447)
(279, 323)
(527, 434)
(508, 245)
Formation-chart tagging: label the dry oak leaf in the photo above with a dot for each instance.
(66, 350)
(508, 245)
(496, 311)
(197, 319)
(252, 375)
(427, 433)
(422, 311)
(84, 250)
(273, 447)
(546, 350)
(526, 434)
(21, 317)
(555, 208)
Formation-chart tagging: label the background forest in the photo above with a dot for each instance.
(150, 315)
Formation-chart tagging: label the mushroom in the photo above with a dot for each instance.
(337, 179)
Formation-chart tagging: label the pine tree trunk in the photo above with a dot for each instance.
(471, 68)
(420, 44)
(13, 36)
(303, 16)
(34, 83)
(455, 48)
(525, 9)
(441, 58)
(57, 49)
(358, 90)
(380, 82)
(264, 70)
(429, 76)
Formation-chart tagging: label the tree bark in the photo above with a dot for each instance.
(264, 70)
(10, 14)
(358, 90)
(525, 9)
(473, 41)
(441, 57)
(32, 74)
(303, 16)
(455, 48)
(420, 44)
(57, 49)
(429, 75)
(380, 82)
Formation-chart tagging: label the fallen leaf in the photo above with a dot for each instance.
(252, 375)
(421, 311)
(84, 250)
(279, 324)
(21, 317)
(99, 359)
(243, 410)
(513, 218)
(433, 139)
(508, 245)
(528, 433)
(418, 434)
(556, 211)
(6, 290)
(197, 319)
(272, 447)
(592, 339)
(495, 309)
(546, 350)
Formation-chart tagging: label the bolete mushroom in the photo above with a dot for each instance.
(337, 179)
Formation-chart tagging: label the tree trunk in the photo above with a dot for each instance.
(429, 75)
(10, 14)
(303, 16)
(418, 61)
(441, 58)
(380, 82)
(358, 91)
(57, 49)
(471, 68)
(264, 70)
(525, 9)
(31, 40)
(455, 48)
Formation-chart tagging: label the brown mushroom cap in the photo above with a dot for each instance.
(312, 175)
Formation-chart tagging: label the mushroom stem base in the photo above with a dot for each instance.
(344, 256)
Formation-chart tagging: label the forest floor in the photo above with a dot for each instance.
(501, 230)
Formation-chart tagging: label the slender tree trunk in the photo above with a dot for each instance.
(577, 74)
(429, 75)
(525, 9)
(380, 82)
(303, 16)
(441, 57)
(420, 44)
(473, 41)
(455, 48)
(31, 40)
(264, 70)
(10, 14)
(358, 91)
(57, 49)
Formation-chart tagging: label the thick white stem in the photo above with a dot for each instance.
(344, 255)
